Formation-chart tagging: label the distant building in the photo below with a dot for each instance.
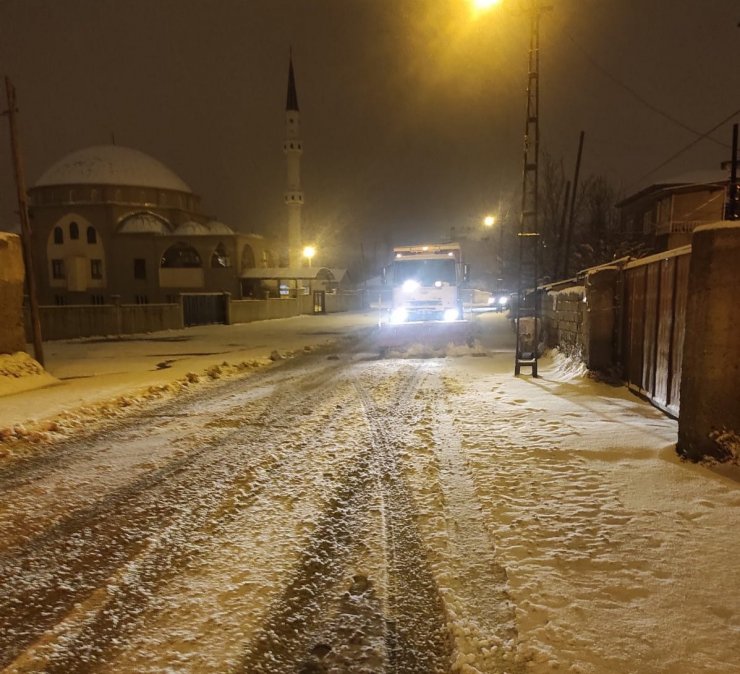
(667, 212)
(110, 221)
(111, 224)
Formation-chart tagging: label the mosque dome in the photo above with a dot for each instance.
(216, 227)
(143, 223)
(111, 165)
(191, 228)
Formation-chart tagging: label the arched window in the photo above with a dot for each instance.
(180, 255)
(268, 259)
(248, 257)
(58, 235)
(92, 235)
(74, 230)
(219, 258)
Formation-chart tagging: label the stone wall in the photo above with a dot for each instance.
(709, 419)
(12, 334)
(563, 317)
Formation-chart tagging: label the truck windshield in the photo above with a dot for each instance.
(426, 272)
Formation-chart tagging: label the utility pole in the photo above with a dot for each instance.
(20, 183)
(529, 237)
(732, 197)
(571, 216)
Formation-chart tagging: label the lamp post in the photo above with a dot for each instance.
(529, 238)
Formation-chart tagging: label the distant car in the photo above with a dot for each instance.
(500, 300)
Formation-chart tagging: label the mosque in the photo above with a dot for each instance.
(112, 224)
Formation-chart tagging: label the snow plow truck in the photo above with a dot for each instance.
(426, 304)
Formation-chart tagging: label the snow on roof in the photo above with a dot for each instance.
(191, 228)
(111, 165)
(143, 223)
(217, 227)
(692, 178)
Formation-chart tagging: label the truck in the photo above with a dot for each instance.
(426, 282)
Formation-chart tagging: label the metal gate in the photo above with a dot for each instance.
(655, 298)
(204, 308)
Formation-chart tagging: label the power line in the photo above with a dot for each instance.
(687, 147)
(637, 96)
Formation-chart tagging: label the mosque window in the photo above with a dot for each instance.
(181, 255)
(219, 258)
(74, 231)
(92, 235)
(139, 268)
(141, 299)
(96, 269)
(97, 299)
(58, 235)
(248, 257)
(57, 269)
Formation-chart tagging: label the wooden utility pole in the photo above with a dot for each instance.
(571, 216)
(20, 183)
(732, 206)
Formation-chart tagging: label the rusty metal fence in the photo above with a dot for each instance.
(655, 293)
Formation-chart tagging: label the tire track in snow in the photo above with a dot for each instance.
(391, 623)
(123, 536)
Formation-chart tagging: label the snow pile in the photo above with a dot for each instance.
(562, 367)
(728, 442)
(19, 372)
(51, 430)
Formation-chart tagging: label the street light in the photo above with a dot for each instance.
(489, 221)
(483, 5)
(308, 253)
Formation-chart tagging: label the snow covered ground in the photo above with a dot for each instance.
(339, 506)
(89, 378)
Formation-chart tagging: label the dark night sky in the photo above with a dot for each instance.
(412, 111)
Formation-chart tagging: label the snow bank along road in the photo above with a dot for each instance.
(342, 513)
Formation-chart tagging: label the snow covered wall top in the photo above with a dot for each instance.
(111, 165)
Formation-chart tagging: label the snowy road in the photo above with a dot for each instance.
(342, 513)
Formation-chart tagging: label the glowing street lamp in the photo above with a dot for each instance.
(308, 253)
(483, 5)
(489, 220)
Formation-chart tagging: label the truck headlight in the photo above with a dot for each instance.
(399, 315)
(451, 315)
(409, 285)
(503, 300)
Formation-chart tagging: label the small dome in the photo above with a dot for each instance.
(217, 227)
(143, 223)
(111, 165)
(191, 228)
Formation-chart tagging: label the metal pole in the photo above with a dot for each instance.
(20, 183)
(529, 234)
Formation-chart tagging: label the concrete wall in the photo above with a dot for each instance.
(600, 319)
(709, 419)
(70, 322)
(246, 311)
(12, 334)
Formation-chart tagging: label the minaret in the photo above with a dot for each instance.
(293, 148)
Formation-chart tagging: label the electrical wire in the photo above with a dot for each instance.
(636, 95)
(687, 147)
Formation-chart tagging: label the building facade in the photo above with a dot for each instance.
(666, 213)
(113, 224)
